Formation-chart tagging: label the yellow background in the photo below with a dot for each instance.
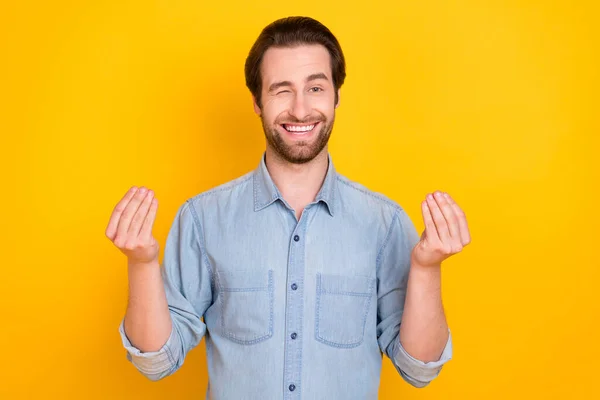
(495, 102)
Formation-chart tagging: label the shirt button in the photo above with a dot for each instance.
(294, 335)
(292, 387)
(294, 286)
(296, 238)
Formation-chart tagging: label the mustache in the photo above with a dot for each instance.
(293, 120)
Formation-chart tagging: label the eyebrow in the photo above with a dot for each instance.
(309, 78)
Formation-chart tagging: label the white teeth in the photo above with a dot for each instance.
(293, 128)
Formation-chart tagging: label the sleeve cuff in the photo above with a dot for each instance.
(418, 371)
(153, 364)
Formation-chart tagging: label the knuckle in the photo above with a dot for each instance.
(119, 242)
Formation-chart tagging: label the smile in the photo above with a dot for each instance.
(299, 129)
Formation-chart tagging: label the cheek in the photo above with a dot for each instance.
(325, 105)
(273, 108)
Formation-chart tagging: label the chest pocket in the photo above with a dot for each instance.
(342, 308)
(246, 302)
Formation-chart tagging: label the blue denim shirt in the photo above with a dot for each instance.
(289, 309)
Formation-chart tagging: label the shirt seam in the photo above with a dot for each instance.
(200, 241)
(225, 186)
(386, 241)
(368, 192)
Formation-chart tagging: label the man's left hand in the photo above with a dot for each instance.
(446, 231)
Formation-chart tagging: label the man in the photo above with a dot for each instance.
(303, 277)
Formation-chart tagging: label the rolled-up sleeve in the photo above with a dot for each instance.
(417, 372)
(393, 266)
(154, 365)
(187, 280)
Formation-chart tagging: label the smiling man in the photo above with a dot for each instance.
(299, 279)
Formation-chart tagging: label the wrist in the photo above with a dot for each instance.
(425, 275)
(415, 265)
(140, 264)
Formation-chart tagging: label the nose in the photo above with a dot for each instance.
(300, 107)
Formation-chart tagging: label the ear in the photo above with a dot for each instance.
(257, 109)
(339, 98)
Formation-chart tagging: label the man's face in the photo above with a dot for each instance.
(298, 97)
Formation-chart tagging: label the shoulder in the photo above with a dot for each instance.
(372, 207)
(221, 196)
(235, 188)
(360, 196)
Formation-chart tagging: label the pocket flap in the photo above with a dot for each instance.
(244, 280)
(349, 285)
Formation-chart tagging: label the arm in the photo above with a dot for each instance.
(424, 331)
(162, 321)
(147, 321)
(409, 304)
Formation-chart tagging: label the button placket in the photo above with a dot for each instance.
(294, 310)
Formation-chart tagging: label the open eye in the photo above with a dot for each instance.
(315, 89)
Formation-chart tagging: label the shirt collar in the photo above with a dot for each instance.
(265, 191)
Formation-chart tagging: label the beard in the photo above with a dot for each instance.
(300, 151)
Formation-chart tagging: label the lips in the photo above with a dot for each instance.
(299, 129)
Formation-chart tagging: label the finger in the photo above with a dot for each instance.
(130, 211)
(449, 215)
(428, 220)
(146, 231)
(465, 236)
(140, 215)
(439, 220)
(113, 223)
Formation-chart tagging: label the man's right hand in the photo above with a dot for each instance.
(130, 226)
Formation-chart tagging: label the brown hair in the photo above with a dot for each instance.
(291, 32)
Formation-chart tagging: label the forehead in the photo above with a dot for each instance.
(294, 63)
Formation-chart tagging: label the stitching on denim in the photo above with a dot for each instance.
(168, 350)
(385, 241)
(225, 186)
(365, 312)
(230, 335)
(357, 294)
(318, 307)
(255, 190)
(271, 302)
(366, 191)
(292, 254)
(301, 305)
(330, 190)
(207, 263)
(258, 289)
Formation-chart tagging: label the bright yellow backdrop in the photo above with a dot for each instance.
(493, 101)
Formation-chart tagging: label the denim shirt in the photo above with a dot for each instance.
(289, 309)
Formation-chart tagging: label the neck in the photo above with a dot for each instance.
(299, 184)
